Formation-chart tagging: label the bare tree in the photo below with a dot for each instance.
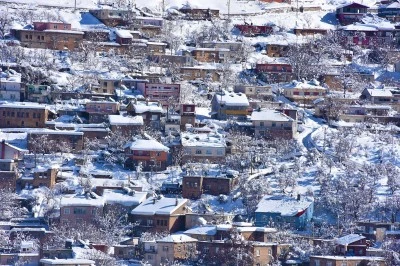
(5, 22)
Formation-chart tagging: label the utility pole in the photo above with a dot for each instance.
(229, 9)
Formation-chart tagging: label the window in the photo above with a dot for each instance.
(150, 223)
(34, 115)
(198, 151)
(67, 211)
(55, 26)
(344, 263)
(79, 211)
(179, 249)
(316, 263)
(152, 248)
(22, 123)
(257, 252)
(269, 252)
(149, 257)
(273, 124)
(220, 152)
(206, 250)
(208, 152)
(261, 124)
(165, 248)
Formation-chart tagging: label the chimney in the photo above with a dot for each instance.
(176, 201)
(154, 200)
(298, 197)
(3, 149)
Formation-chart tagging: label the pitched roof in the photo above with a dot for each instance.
(379, 93)
(177, 238)
(284, 205)
(269, 115)
(161, 206)
(346, 240)
(146, 145)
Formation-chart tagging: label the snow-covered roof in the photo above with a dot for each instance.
(146, 145)
(66, 31)
(232, 98)
(177, 238)
(27, 105)
(349, 258)
(202, 230)
(269, 115)
(160, 206)
(142, 107)
(68, 261)
(112, 196)
(202, 140)
(284, 205)
(126, 34)
(303, 85)
(211, 49)
(348, 239)
(351, 3)
(45, 131)
(82, 200)
(119, 120)
(379, 93)
(393, 5)
(257, 229)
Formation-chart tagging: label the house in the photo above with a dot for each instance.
(200, 73)
(277, 50)
(10, 86)
(284, 210)
(175, 247)
(367, 35)
(125, 199)
(351, 245)
(156, 48)
(159, 214)
(172, 60)
(336, 79)
(10, 152)
(161, 92)
(29, 258)
(310, 31)
(255, 91)
(253, 30)
(50, 35)
(188, 115)
(203, 146)
(8, 174)
(231, 45)
(211, 55)
(390, 11)
(24, 115)
(150, 111)
(351, 12)
(226, 104)
(111, 16)
(346, 260)
(66, 262)
(303, 92)
(273, 124)
(44, 177)
(377, 96)
(77, 210)
(125, 124)
(375, 231)
(123, 37)
(193, 186)
(274, 73)
(260, 253)
(98, 111)
(198, 13)
(52, 140)
(38, 93)
(148, 153)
